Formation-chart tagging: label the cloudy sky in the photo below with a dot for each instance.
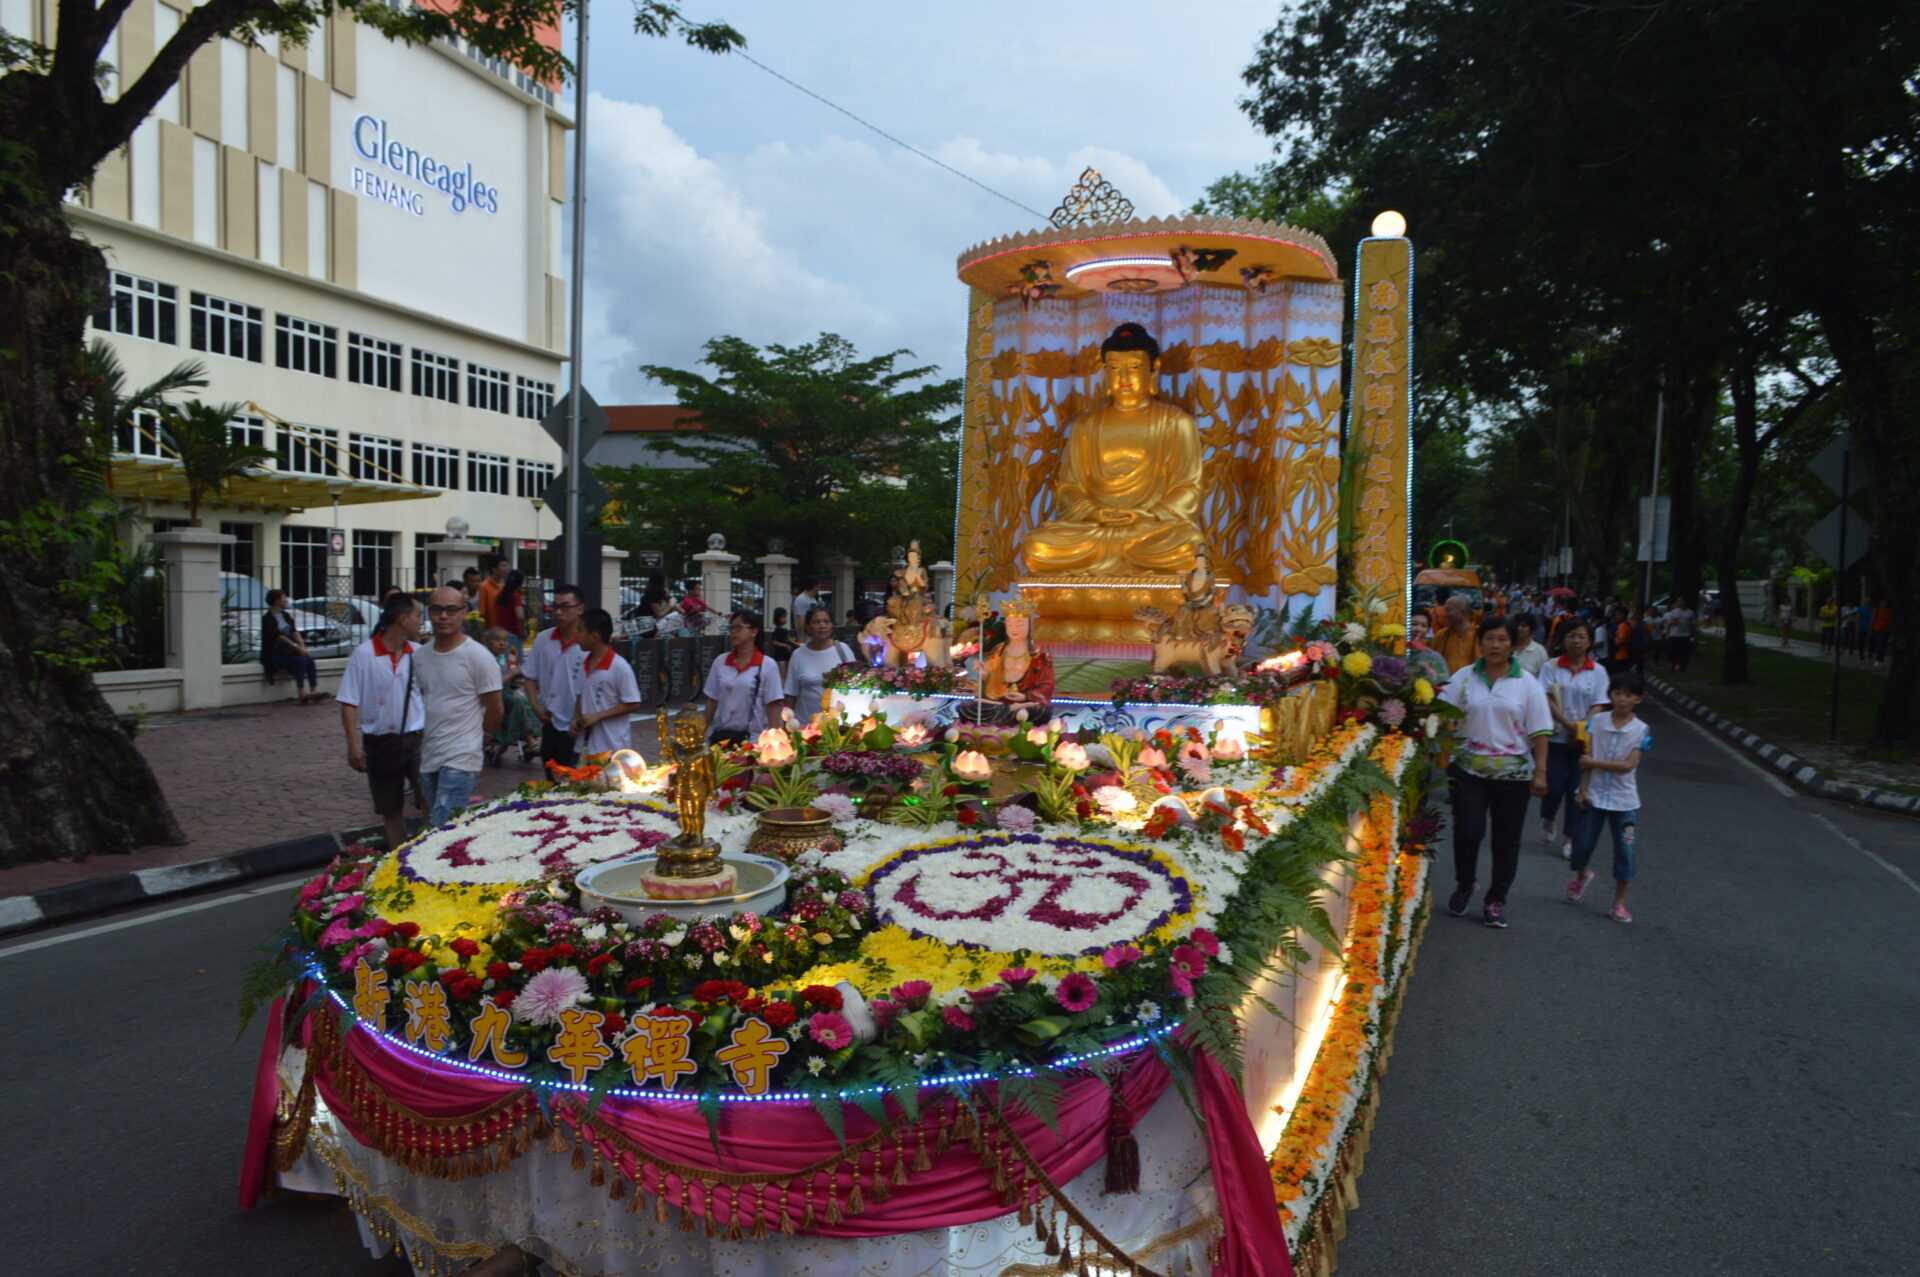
(721, 201)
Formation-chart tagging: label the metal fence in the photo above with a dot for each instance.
(332, 620)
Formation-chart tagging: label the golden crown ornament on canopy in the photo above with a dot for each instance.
(1150, 404)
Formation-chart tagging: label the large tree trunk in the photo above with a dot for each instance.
(1735, 667)
(71, 782)
(1693, 403)
(1885, 439)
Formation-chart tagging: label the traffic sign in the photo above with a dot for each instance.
(1824, 539)
(1830, 464)
(593, 421)
(593, 496)
(1656, 525)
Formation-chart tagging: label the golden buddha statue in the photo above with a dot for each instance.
(1127, 494)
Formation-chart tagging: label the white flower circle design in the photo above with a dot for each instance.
(517, 842)
(1050, 895)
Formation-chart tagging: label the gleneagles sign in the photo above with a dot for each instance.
(372, 142)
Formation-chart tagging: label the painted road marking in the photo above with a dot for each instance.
(1869, 853)
(279, 884)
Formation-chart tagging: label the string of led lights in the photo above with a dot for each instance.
(1063, 1064)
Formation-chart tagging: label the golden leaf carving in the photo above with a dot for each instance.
(1051, 364)
(1176, 360)
(1005, 364)
(1314, 352)
(1223, 356)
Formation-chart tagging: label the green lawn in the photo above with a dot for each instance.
(1789, 699)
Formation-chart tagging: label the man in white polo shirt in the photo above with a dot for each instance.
(554, 671)
(609, 693)
(462, 685)
(383, 714)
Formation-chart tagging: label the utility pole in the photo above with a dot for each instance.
(1653, 511)
(575, 321)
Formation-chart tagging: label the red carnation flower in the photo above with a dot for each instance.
(752, 1006)
(781, 1014)
(638, 986)
(598, 963)
(820, 995)
(969, 816)
(499, 971)
(407, 929)
(611, 1026)
(464, 947)
(534, 961)
(561, 950)
(504, 998)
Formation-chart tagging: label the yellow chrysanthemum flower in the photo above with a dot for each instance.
(1358, 664)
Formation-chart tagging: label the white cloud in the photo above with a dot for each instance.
(783, 241)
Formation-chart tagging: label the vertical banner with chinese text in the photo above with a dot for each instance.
(1378, 423)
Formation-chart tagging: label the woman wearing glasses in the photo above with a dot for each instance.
(743, 689)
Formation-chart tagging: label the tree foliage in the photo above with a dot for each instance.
(812, 445)
(1614, 187)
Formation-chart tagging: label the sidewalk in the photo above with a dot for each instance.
(245, 777)
(1808, 648)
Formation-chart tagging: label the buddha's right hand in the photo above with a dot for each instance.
(1109, 515)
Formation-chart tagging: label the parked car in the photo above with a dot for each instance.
(360, 615)
(242, 601)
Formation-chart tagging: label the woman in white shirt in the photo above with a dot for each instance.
(808, 667)
(1499, 762)
(743, 688)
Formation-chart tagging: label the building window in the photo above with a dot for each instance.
(248, 429)
(139, 307)
(487, 472)
(372, 563)
(487, 388)
(531, 399)
(424, 559)
(303, 561)
(530, 478)
(222, 327)
(310, 450)
(139, 436)
(304, 346)
(373, 362)
(436, 376)
(436, 467)
(242, 557)
(375, 457)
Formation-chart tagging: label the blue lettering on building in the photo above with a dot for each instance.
(462, 189)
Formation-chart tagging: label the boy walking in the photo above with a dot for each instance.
(1609, 791)
(609, 693)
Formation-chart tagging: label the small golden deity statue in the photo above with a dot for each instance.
(1127, 494)
(911, 579)
(683, 742)
(1015, 675)
(1198, 617)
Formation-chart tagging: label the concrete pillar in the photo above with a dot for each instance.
(453, 558)
(842, 568)
(192, 557)
(716, 574)
(777, 574)
(942, 576)
(612, 568)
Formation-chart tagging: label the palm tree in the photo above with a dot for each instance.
(109, 407)
(200, 436)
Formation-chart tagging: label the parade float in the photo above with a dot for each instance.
(1068, 938)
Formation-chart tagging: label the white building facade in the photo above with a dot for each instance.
(361, 241)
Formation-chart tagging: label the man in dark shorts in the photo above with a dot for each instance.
(383, 714)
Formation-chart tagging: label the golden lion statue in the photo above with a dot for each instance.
(1213, 647)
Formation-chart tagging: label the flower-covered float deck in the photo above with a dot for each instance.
(1103, 1021)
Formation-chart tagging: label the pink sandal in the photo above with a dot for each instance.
(1578, 887)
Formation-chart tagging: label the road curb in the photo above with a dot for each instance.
(97, 895)
(1796, 771)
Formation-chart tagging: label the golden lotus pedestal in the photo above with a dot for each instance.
(689, 870)
(1097, 609)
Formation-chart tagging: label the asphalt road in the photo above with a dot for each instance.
(1726, 1086)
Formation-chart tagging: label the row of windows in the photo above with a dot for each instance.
(137, 307)
(315, 450)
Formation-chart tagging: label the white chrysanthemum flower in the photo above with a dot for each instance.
(1147, 1012)
(816, 1066)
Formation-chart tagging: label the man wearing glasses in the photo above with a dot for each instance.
(461, 683)
(553, 674)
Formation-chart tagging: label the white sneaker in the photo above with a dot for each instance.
(1566, 849)
(1546, 833)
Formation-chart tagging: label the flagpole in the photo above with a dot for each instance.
(575, 322)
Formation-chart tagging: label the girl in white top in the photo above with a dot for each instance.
(743, 688)
(808, 667)
(1609, 791)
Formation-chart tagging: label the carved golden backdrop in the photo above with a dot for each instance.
(1258, 371)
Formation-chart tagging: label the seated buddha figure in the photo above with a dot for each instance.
(1127, 494)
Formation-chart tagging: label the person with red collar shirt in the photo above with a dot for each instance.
(743, 689)
(553, 674)
(383, 712)
(1575, 684)
(609, 693)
